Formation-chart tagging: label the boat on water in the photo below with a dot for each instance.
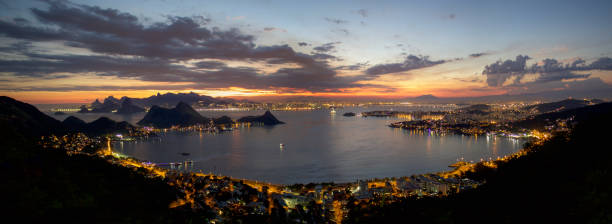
(349, 114)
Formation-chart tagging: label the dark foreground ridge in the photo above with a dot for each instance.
(42, 185)
(566, 104)
(181, 115)
(566, 179)
(578, 115)
(267, 119)
(20, 119)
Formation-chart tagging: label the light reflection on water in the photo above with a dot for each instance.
(319, 147)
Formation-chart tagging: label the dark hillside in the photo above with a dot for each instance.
(567, 179)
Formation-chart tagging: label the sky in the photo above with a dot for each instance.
(77, 51)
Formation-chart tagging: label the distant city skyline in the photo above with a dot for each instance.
(77, 51)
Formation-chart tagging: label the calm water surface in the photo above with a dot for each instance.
(318, 147)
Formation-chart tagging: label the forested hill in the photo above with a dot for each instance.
(48, 186)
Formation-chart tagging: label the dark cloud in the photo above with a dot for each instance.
(500, 71)
(467, 80)
(604, 63)
(112, 32)
(97, 88)
(411, 62)
(322, 52)
(42, 65)
(342, 31)
(321, 56)
(326, 47)
(578, 88)
(16, 47)
(20, 20)
(316, 77)
(476, 55)
(336, 21)
(303, 44)
(128, 49)
(353, 67)
(552, 70)
(363, 12)
(25, 32)
(549, 70)
(209, 64)
(270, 29)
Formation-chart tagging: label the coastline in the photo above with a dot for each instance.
(436, 184)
